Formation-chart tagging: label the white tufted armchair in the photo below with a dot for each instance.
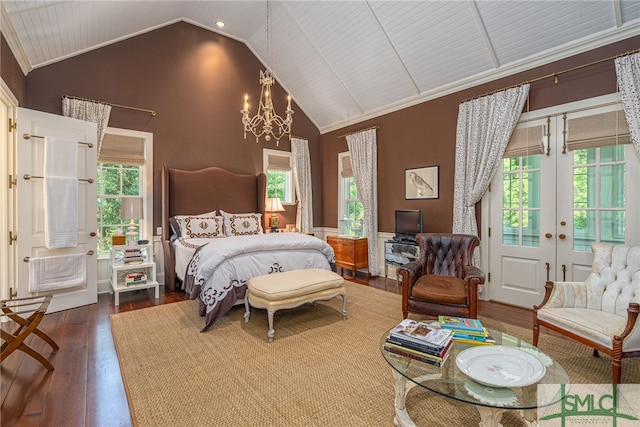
(600, 312)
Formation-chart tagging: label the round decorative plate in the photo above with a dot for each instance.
(500, 366)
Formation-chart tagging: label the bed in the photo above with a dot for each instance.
(213, 239)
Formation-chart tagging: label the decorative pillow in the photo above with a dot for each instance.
(201, 226)
(242, 224)
(178, 226)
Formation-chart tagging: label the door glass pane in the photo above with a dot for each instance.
(584, 229)
(510, 227)
(531, 189)
(584, 187)
(599, 196)
(612, 227)
(612, 153)
(531, 228)
(612, 186)
(521, 193)
(584, 157)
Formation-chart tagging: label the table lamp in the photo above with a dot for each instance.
(131, 209)
(274, 205)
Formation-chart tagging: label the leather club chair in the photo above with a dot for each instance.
(442, 280)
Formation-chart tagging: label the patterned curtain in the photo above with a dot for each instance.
(364, 162)
(89, 111)
(484, 128)
(628, 72)
(302, 181)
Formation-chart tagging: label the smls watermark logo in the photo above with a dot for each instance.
(601, 405)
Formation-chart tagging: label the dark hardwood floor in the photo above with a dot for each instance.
(86, 389)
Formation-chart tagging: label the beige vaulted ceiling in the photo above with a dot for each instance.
(344, 61)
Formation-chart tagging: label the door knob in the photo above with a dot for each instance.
(548, 235)
(561, 236)
(92, 234)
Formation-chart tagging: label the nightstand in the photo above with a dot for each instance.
(142, 256)
(350, 252)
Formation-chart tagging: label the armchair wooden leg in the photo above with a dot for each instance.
(616, 371)
(536, 333)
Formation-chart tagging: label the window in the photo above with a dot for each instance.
(350, 209)
(115, 181)
(278, 168)
(124, 170)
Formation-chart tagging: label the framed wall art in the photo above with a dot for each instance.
(421, 183)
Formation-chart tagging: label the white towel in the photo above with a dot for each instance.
(60, 157)
(60, 193)
(60, 212)
(57, 272)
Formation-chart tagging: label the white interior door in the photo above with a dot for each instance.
(546, 209)
(30, 204)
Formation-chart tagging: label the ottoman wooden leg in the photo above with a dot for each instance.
(272, 332)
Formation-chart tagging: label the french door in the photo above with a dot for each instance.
(572, 180)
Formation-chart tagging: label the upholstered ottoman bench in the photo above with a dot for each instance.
(292, 289)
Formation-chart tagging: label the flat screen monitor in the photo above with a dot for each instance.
(408, 224)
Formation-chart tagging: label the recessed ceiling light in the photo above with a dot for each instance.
(219, 24)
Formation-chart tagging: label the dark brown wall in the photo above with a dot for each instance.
(11, 72)
(425, 135)
(196, 80)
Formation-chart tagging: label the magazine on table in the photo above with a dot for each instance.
(462, 324)
(421, 333)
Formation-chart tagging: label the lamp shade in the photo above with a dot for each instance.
(131, 208)
(274, 205)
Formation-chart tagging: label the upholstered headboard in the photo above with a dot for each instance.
(194, 192)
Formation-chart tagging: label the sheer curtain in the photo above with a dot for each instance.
(484, 128)
(302, 181)
(89, 111)
(364, 162)
(628, 73)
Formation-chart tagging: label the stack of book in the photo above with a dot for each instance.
(133, 279)
(419, 341)
(466, 331)
(133, 256)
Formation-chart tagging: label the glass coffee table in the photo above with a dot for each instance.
(515, 392)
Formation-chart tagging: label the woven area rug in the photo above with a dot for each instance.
(319, 371)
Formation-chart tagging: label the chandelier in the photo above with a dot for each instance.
(267, 122)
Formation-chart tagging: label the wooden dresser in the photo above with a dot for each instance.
(351, 253)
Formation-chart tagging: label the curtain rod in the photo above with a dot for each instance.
(554, 75)
(361, 130)
(152, 112)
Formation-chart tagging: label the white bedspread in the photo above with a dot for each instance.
(228, 263)
(183, 250)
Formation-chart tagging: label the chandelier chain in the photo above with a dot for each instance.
(268, 36)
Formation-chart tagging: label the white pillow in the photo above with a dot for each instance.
(242, 224)
(179, 220)
(202, 226)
